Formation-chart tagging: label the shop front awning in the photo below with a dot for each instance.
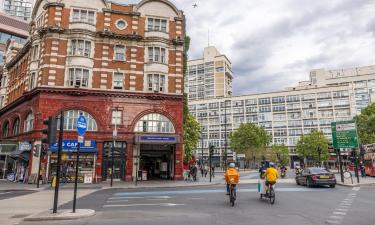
(6, 149)
(22, 154)
(71, 146)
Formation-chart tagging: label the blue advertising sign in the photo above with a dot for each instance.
(88, 146)
(81, 125)
(155, 138)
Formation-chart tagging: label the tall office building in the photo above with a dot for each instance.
(10, 29)
(329, 95)
(209, 77)
(18, 8)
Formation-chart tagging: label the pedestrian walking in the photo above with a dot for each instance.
(205, 170)
(213, 171)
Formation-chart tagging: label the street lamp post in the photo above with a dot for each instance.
(202, 146)
(225, 137)
(114, 135)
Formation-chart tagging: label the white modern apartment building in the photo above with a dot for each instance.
(330, 95)
(209, 77)
(18, 8)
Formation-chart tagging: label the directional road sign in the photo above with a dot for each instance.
(81, 125)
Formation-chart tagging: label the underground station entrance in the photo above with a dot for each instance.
(156, 161)
(157, 157)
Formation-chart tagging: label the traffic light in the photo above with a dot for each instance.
(50, 130)
(212, 150)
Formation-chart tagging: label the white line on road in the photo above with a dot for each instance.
(3, 193)
(120, 200)
(336, 217)
(332, 222)
(340, 209)
(340, 213)
(126, 197)
(356, 188)
(132, 205)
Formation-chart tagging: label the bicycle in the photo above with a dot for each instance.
(232, 192)
(269, 194)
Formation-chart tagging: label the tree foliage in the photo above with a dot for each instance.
(249, 139)
(279, 153)
(366, 125)
(307, 146)
(190, 124)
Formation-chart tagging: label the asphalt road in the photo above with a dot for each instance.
(208, 205)
(12, 194)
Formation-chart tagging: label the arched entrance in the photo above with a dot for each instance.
(155, 148)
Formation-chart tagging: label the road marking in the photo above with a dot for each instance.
(339, 209)
(133, 205)
(336, 217)
(340, 213)
(332, 222)
(3, 193)
(120, 200)
(205, 191)
(356, 188)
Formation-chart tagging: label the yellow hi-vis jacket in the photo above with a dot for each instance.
(232, 176)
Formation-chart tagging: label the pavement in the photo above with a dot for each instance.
(353, 182)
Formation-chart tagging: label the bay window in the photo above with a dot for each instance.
(83, 15)
(118, 80)
(80, 48)
(156, 54)
(157, 25)
(156, 82)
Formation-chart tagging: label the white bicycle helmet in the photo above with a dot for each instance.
(232, 165)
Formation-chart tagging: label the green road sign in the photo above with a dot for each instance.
(344, 134)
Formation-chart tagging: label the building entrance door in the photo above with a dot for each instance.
(119, 160)
(157, 161)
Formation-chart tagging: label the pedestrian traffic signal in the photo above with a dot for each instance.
(50, 130)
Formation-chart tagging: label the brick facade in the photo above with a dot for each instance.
(50, 55)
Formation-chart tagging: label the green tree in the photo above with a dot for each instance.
(190, 124)
(279, 153)
(366, 125)
(249, 139)
(307, 146)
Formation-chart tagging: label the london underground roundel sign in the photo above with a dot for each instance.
(81, 125)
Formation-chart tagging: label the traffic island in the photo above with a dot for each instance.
(61, 215)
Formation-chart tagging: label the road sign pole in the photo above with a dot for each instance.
(76, 179)
(40, 162)
(340, 165)
(59, 151)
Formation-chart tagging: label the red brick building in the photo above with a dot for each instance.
(118, 65)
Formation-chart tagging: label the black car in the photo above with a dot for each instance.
(315, 176)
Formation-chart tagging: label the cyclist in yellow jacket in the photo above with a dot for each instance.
(271, 175)
(232, 176)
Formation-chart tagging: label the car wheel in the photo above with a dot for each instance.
(308, 182)
(332, 185)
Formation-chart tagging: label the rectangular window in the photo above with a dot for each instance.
(84, 16)
(116, 117)
(32, 80)
(35, 52)
(157, 54)
(80, 48)
(118, 80)
(156, 82)
(120, 52)
(154, 24)
(78, 77)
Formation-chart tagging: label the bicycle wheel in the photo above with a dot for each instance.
(232, 198)
(272, 195)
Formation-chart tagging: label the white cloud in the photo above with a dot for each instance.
(275, 43)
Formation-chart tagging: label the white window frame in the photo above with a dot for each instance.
(156, 24)
(118, 51)
(29, 122)
(154, 123)
(83, 16)
(157, 54)
(32, 80)
(73, 78)
(116, 117)
(35, 53)
(156, 82)
(80, 47)
(117, 82)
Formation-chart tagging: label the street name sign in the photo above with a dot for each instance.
(344, 134)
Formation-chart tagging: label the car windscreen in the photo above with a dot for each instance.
(318, 170)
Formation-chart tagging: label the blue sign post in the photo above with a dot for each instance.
(81, 130)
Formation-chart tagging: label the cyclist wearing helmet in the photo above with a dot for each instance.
(271, 175)
(232, 176)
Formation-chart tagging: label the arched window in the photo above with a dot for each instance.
(16, 127)
(70, 120)
(5, 129)
(154, 123)
(29, 122)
